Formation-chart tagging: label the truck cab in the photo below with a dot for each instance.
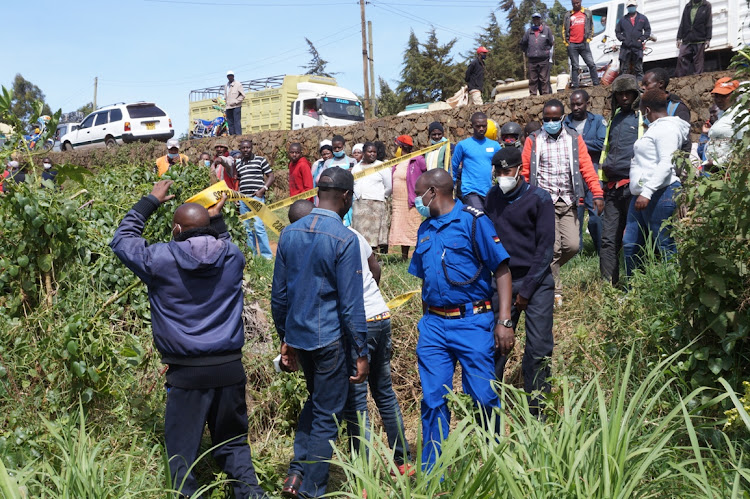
(319, 104)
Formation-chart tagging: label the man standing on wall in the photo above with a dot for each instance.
(475, 77)
(633, 30)
(536, 44)
(578, 28)
(234, 94)
(693, 37)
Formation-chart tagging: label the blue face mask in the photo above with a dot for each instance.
(207, 162)
(423, 209)
(632, 9)
(432, 142)
(552, 127)
(173, 156)
(534, 27)
(338, 154)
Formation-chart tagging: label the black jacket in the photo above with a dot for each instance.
(537, 48)
(681, 111)
(701, 29)
(475, 74)
(622, 132)
(632, 36)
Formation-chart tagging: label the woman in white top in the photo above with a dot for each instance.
(369, 217)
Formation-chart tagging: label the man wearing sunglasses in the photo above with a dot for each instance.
(556, 159)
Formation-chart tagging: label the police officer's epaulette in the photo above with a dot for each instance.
(474, 211)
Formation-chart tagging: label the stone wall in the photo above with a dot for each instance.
(694, 90)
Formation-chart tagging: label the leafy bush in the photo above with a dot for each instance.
(714, 255)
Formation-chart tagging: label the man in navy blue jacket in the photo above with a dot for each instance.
(524, 218)
(593, 128)
(195, 290)
(632, 30)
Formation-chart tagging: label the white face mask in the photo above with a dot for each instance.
(507, 184)
(47, 166)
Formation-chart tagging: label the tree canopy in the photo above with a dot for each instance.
(25, 94)
(317, 65)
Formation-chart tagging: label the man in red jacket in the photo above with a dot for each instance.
(556, 159)
(300, 171)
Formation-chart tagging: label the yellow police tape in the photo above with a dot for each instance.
(211, 195)
(402, 299)
(369, 171)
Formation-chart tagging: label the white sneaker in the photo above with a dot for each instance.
(558, 301)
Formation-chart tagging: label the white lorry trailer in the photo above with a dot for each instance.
(731, 31)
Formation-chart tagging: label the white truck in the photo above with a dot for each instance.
(731, 31)
(285, 102)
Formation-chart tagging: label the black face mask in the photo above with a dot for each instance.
(483, 56)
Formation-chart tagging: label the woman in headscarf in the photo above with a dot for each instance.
(326, 153)
(405, 218)
(370, 192)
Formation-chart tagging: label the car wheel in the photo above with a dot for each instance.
(110, 142)
(67, 146)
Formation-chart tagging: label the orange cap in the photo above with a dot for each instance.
(725, 86)
(405, 140)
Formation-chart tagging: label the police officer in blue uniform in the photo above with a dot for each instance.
(456, 254)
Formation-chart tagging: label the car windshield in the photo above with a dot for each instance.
(145, 111)
(599, 17)
(334, 107)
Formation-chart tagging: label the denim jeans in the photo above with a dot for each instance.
(582, 49)
(650, 220)
(256, 231)
(327, 385)
(379, 348)
(234, 120)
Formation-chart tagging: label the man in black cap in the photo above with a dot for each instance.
(524, 218)
(625, 127)
(319, 330)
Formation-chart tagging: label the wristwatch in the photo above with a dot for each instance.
(505, 323)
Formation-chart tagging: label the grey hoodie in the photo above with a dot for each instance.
(651, 168)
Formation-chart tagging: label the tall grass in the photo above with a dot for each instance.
(594, 446)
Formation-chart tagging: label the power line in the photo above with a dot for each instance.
(413, 17)
(295, 52)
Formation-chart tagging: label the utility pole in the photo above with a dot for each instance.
(368, 107)
(372, 71)
(96, 84)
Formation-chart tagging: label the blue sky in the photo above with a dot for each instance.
(159, 50)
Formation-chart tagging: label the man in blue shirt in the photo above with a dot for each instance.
(456, 254)
(474, 179)
(524, 217)
(593, 128)
(318, 309)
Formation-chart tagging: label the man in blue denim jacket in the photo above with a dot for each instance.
(318, 307)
